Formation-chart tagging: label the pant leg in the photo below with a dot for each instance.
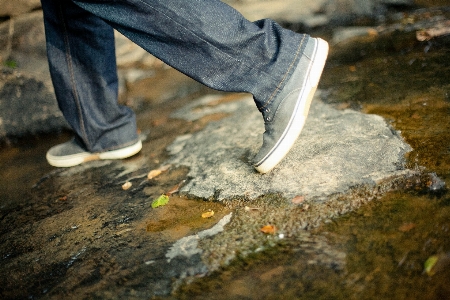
(208, 41)
(82, 63)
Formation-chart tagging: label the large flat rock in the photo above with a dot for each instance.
(336, 151)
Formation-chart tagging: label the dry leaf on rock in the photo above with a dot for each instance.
(269, 229)
(126, 185)
(208, 214)
(153, 173)
(298, 199)
(175, 189)
(251, 208)
(406, 227)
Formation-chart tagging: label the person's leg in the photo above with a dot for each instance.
(82, 63)
(214, 44)
(209, 41)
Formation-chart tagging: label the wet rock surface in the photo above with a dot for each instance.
(27, 106)
(81, 235)
(77, 234)
(337, 150)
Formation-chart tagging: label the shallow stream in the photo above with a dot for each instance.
(383, 246)
(387, 242)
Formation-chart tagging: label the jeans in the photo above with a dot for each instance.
(204, 39)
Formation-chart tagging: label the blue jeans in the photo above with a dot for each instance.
(204, 39)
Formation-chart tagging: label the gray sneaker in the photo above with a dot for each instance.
(285, 116)
(71, 153)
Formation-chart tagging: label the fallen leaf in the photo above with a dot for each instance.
(160, 201)
(298, 199)
(126, 185)
(153, 173)
(63, 198)
(430, 263)
(269, 229)
(208, 214)
(406, 227)
(372, 32)
(251, 208)
(176, 188)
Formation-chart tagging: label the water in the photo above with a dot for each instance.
(387, 242)
(23, 164)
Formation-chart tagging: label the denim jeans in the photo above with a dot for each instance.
(204, 39)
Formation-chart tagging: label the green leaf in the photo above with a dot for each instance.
(160, 201)
(11, 64)
(429, 264)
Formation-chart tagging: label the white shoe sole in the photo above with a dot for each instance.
(76, 159)
(298, 117)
